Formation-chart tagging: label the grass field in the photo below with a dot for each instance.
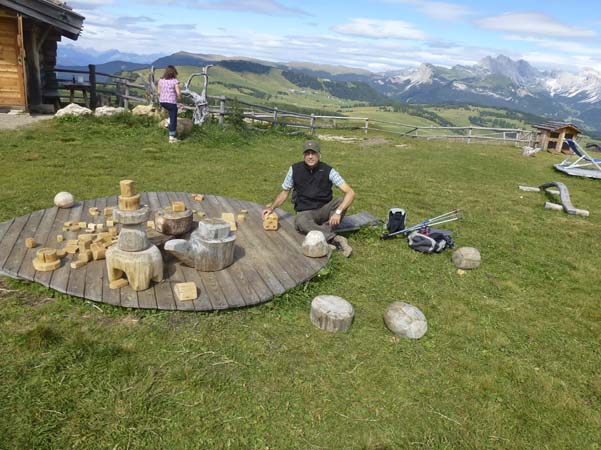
(511, 359)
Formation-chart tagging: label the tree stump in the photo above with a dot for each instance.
(174, 223)
(331, 313)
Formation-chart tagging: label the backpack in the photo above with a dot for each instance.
(396, 220)
(430, 240)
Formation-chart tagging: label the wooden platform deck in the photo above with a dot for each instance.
(266, 264)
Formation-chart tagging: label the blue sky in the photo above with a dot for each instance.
(376, 35)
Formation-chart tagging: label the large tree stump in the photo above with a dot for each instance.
(174, 223)
(140, 267)
(331, 313)
(210, 247)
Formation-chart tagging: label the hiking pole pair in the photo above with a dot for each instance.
(443, 218)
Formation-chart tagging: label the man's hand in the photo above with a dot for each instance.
(265, 212)
(335, 220)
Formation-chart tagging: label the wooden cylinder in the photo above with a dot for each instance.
(128, 188)
(129, 203)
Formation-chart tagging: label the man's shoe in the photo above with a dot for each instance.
(341, 244)
(173, 139)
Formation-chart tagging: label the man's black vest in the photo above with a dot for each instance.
(312, 187)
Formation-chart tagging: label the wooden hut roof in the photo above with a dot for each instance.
(555, 125)
(54, 13)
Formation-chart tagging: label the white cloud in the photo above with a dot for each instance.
(438, 10)
(380, 29)
(533, 23)
(268, 7)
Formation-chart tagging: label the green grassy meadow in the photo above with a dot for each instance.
(511, 359)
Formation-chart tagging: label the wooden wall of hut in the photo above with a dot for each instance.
(12, 84)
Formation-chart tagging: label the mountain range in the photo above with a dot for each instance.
(493, 81)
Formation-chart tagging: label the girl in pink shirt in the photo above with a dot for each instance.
(169, 92)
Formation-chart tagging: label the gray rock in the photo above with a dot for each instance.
(405, 320)
(64, 200)
(315, 245)
(466, 258)
(331, 313)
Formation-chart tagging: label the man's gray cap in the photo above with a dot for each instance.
(311, 145)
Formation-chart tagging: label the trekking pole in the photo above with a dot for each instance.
(443, 218)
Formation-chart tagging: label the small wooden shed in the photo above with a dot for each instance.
(29, 32)
(551, 135)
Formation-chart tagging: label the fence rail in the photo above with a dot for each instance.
(125, 90)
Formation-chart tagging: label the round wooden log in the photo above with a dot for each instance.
(331, 313)
(46, 260)
(171, 222)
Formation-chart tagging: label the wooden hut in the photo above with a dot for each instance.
(29, 32)
(551, 136)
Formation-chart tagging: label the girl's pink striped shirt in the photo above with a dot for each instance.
(167, 88)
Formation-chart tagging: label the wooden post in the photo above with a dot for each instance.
(312, 123)
(275, 117)
(366, 125)
(469, 136)
(92, 80)
(221, 111)
(125, 99)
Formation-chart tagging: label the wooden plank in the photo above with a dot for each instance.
(10, 238)
(19, 251)
(3, 227)
(285, 249)
(109, 296)
(249, 273)
(277, 279)
(234, 294)
(203, 302)
(146, 298)
(94, 273)
(77, 278)
(57, 279)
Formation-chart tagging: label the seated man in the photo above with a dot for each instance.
(313, 201)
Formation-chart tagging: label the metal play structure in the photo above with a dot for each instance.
(579, 164)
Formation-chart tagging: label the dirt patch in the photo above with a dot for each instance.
(13, 121)
(345, 139)
(375, 141)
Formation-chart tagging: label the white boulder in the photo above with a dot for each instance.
(64, 200)
(73, 109)
(315, 244)
(108, 111)
(405, 320)
(466, 258)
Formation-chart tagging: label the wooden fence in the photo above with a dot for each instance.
(127, 90)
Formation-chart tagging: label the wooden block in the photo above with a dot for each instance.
(99, 227)
(113, 230)
(84, 246)
(91, 227)
(98, 251)
(75, 228)
(86, 237)
(199, 215)
(93, 211)
(61, 252)
(117, 284)
(108, 212)
(30, 242)
(178, 206)
(60, 238)
(81, 225)
(71, 249)
(108, 244)
(270, 223)
(244, 212)
(150, 224)
(78, 264)
(46, 259)
(84, 255)
(241, 218)
(110, 223)
(127, 188)
(229, 218)
(198, 197)
(68, 224)
(129, 203)
(185, 291)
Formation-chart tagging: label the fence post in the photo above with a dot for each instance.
(518, 135)
(125, 99)
(366, 125)
(221, 112)
(417, 132)
(312, 123)
(469, 136)
(275, 117)
(92, 81)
